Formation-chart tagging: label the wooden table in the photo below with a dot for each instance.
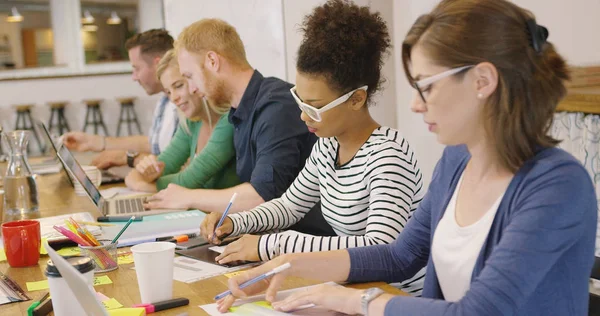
(56, 198)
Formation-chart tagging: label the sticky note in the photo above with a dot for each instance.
(127, 312)
(102, 280)
(37, 286)
(111, 304)
(69, 251)
(42, 285)
(42, 249)
(125, 259)
(264, 304)
(2, 255)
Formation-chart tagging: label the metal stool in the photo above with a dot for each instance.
(58, 109)
(93, 107)
(25, 123)
(127, 108)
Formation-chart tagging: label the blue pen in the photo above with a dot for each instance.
(223, 216)
(282, 267)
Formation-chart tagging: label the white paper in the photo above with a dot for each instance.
(47, 223)
(211, 309)
(118, 191)
(189, 270)
(218, 249)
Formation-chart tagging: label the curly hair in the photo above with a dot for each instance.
(346, 44)
(155, 42)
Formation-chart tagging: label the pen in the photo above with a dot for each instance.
(223, 216)
(137, 218)
(281, 268)
(176, 239)
(35, 304)
(123, 230)
(95, 224)
(164, 305)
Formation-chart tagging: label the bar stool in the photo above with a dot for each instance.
(93, 108)
(127, 108)
(58, 109)
(25, 122)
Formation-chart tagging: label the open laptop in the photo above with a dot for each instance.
(53, 164)
(116, 207)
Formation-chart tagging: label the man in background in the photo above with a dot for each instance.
(145, 51)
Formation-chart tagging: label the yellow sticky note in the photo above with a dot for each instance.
(125, 259)
(264, 304)
(37, 286)
(112, 304)
(102, 280)
(127, 312)
(2, 255)
(42, 249)
(42, 285)
(232, 274)
(69, 251)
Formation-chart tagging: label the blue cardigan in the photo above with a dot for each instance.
(537, 257)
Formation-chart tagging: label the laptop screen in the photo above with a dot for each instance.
(72, 165)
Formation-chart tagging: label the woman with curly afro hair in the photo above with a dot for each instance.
(365, 175)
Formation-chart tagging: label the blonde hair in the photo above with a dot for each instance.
(214, 35)
(169, 60)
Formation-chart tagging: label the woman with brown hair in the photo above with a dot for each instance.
(509, 222)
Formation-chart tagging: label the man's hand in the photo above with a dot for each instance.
(79, 141)
(110, 158)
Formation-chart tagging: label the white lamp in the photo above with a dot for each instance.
(14, 16)
(87, 17)
(114, 19)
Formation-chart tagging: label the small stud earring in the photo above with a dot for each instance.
(480, 95)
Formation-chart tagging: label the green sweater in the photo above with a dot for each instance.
(211, 168)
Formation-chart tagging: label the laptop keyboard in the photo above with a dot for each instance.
(129, 206)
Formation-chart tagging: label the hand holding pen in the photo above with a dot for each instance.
(215, 226)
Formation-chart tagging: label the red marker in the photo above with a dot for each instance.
(164, 305)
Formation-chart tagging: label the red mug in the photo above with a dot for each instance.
(22, 240)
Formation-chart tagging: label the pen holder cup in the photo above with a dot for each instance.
(104, 256)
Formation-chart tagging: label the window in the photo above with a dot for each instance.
(26, 38)
(105, 27)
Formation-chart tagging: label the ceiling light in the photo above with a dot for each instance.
(87, 17)
(114, 19)
(14, 16)
(89, 28)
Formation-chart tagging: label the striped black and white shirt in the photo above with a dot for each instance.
(367, 201)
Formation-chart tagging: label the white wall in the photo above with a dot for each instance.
(74, 90)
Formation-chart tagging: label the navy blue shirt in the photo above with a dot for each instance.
(271, 142)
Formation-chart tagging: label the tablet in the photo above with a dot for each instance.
(202, 253)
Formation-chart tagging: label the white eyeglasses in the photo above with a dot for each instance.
(315, 113)
(424, 83)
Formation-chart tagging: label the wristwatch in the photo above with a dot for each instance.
(131, 157)
(367, 296)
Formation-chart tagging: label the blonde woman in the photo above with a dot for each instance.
(204, 137)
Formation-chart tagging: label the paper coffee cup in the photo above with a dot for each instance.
(154, 270)
(64, 301)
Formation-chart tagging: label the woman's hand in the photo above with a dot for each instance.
(173, 197)
(243, 249)
(271, 285)
(150, 168)
(136, 181)
(207, 228)
(331, 297)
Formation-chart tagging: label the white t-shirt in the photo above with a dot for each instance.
(455, 249)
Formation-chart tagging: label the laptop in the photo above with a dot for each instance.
(124, 206)
(53, 164)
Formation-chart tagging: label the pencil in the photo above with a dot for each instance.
(123, 229)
